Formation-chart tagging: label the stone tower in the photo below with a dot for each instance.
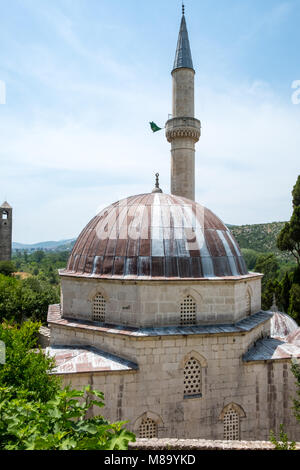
(5, 231)
(183, 130)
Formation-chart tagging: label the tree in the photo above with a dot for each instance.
(286, 285)
(250, 256)
(296, 193)
(7, 268)
(289, 237)
(294, 302)
(28, 298)
(267, 264)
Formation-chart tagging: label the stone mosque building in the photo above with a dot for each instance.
(159, 312)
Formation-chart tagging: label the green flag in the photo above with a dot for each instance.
(154, 127)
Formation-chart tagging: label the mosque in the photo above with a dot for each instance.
(159, 311)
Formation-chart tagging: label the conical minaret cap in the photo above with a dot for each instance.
(5, 205)
(183, 57)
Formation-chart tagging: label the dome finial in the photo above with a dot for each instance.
(157, 188)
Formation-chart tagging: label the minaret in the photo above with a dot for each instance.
(5, 231)
(183, 130)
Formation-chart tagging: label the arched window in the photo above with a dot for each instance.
(99, 308)
(148, 428)
(248, 303)
(192, 378)
(4, 215)
(231, 417)
(231, 425)
(188, 310)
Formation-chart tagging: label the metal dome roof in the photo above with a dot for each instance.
(156, 235)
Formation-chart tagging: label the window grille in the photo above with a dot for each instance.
(148, 429)
(188, 311)
(248, 303)
(192, 378)
(99, 307)
(231, 426)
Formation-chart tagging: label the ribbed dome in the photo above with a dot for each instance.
(159, 236)
(282, 325)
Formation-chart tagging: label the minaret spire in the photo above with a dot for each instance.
(183, 130)
(183, 56)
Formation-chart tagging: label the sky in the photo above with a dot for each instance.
(83, 78)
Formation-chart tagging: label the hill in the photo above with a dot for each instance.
(260, 237)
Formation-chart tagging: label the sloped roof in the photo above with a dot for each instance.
(80, 359)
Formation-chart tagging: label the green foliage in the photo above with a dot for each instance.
(250, 256)
(283, 442)
(294, 302)
(296, 372)
(59, 424)
(289, 237)
(286, 285)
(7, 268)
(43, 264)
(26, 368)
(267, 264)
(28, 298)
(296, 193)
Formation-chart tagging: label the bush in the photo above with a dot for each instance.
(26, 368)
(7, 268)
(283, 442)
(58, 424)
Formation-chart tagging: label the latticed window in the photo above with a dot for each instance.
(99, 307)
(231, 426)
(148, 429)
(192, 378)
(248, 303)
(188, 311)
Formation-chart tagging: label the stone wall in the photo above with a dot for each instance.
(261, 391)
(200, 444)
(154, 303)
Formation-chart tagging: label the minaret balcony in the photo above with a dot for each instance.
(183, 127)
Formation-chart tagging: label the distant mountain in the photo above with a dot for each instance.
(61, 245)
